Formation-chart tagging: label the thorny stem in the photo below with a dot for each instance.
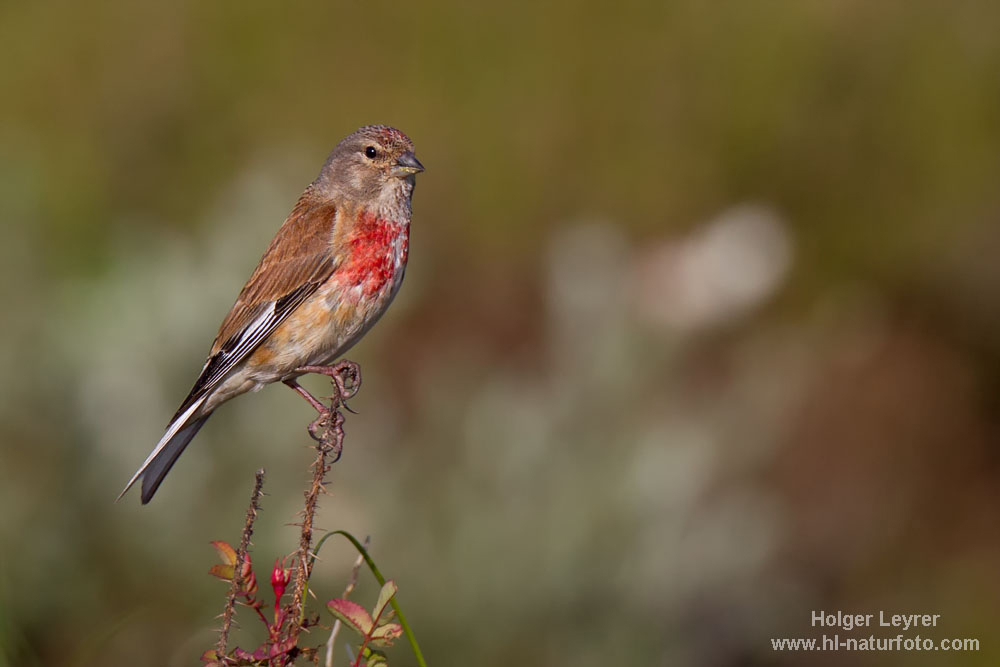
(328, 431)
(241, 554)
(302, 567)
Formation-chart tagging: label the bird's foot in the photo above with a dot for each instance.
(328, 428)
(345, 376)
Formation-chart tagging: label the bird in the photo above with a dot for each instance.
(328, 275)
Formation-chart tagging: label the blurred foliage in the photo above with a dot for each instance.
(700, 332)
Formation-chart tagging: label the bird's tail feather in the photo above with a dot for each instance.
(164, 461)
(164, 455)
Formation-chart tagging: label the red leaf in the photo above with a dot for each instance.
(351, 614)
(283, 647)
(226, 552)
(249, 584)
(241, 654)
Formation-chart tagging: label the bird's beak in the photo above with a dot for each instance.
(407, 164)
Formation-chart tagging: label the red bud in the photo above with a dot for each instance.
(280, 576)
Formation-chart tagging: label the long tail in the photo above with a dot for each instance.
(156, 466)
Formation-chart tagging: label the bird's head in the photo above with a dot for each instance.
(375, 164)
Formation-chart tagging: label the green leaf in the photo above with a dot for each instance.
(224, 572)
(210, 658)
(384, 596)
(385, 634)
(351, 614)
(374, 658)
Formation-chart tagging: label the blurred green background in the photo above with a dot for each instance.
(700, 330)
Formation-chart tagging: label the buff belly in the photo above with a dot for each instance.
(316, 333)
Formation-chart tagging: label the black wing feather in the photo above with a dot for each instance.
(241, 344)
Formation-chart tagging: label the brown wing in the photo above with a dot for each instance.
(295, 264)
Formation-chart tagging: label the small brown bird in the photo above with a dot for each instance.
(331, 271)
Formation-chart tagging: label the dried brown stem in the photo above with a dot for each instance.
(241, 555)
(328, 431)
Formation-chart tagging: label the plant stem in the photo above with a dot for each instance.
(241, 555)
(381, 580)
(304, 558)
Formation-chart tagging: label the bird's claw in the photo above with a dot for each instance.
(342, 402)
(340, 379)
(339, 374)
(315, 425)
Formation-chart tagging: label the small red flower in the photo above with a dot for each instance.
(280, 576)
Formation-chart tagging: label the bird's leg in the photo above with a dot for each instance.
(304, 393)
(323, 410)
(330, 420)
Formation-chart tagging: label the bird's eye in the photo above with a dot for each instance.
(371, 153)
